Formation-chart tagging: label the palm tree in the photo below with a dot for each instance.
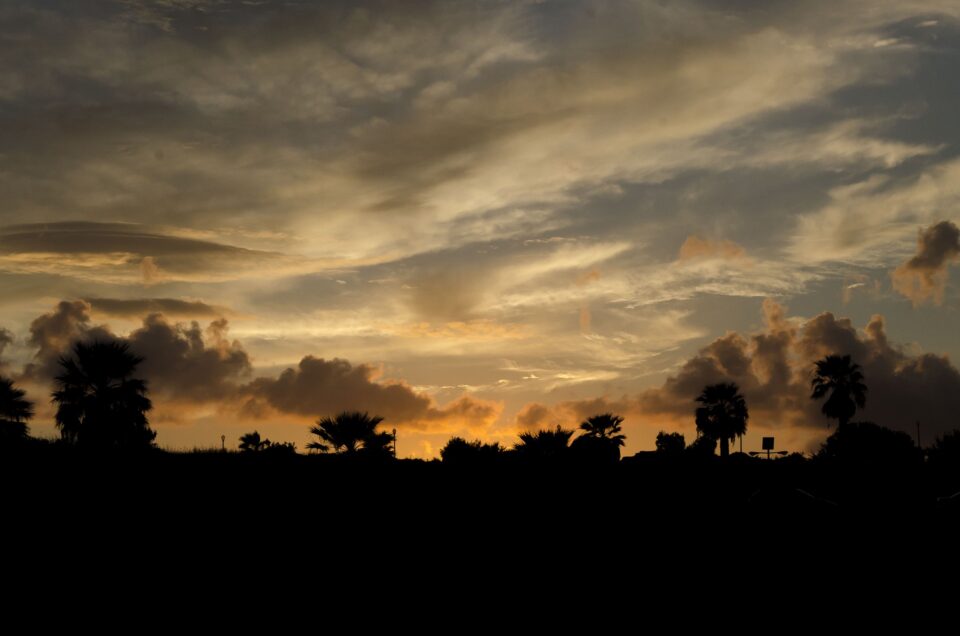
(723, 415)
(545, 444)
(99, 402)
(604, 426)
(251, 442)
(350, 433)
(842, 379)
(601, 436)
(14, 412)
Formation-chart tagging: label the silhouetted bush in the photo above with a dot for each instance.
(671, 444)
(280, 449)
(862, 443)
(594, 450)
(252, 443)
(945, 451)
(459, 451)
(702, 447)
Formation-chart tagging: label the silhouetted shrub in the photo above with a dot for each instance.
(459, 451)
(945, 452)
(253, 443)
(860, 443)
(594, 450)
(701, 447)
(671, 444)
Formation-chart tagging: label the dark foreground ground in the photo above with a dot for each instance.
(178, 489)
(204, 529)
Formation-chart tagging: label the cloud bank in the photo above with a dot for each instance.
(774, 367)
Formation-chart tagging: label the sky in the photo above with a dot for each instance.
(481, 218)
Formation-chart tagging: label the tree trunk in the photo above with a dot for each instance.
(724, 447)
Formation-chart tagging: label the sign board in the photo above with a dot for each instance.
(767, 443)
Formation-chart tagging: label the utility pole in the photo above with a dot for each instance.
(394, 443)
(223, 442)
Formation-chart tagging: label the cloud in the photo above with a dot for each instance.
(318, 387)
(139, 307)
(303, 119)
(475, 330)
(182, 362)
(53, 333)
(568, 414)
(773, 368)
(924, 277)
(695, 247)
(866, 222)
(6, 339)
(188, 366)
(126, 253)
(480, 159)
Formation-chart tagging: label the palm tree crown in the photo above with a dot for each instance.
(545, 444)
(842, 379)
(605, 426)
(252, 442)
(99, 402)
(15, 410)
(351, 432)
(723, 414)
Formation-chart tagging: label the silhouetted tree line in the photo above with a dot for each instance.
(102, 404)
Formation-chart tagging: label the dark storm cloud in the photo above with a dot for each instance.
(187, 362)
(903, 387)
(182, 362)
(773, 369)
(53, 333)
(319, 387)
(924, 277)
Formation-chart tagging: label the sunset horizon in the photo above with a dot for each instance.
(482, 220)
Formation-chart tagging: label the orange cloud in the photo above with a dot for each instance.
(695, 247)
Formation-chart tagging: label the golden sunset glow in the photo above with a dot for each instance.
(482, 219)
